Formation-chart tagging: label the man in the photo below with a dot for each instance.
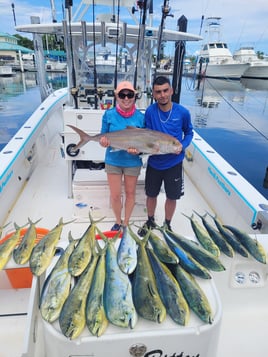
(173, 119)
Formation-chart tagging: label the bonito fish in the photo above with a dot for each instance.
(57, 286)
(170, 291)
(22, 253)
(7, 247)
(44, 250)
(144, 140)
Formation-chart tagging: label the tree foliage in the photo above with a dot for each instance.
(24, 41)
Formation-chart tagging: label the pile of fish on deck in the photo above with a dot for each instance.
(150, 277)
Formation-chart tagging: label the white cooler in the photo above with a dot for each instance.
(147, 339)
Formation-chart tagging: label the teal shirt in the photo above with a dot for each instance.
(112, 121)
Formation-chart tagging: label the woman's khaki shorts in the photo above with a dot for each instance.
(120, 170)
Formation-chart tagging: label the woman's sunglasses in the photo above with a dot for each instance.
(130, 95)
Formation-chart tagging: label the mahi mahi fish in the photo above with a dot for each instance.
(193, 293)
(44, 250)
(96, 319)
(22, 253)
(118, 301)
(146, 297)
(127, 252)
(252, 245)
(143, 140)
(82, 254)
(169, 290)
(72, 317)
(7, 247)
(57, 286)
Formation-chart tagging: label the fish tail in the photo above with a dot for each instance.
(84, 137)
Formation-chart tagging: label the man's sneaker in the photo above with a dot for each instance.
(150, 223)
(116, 227)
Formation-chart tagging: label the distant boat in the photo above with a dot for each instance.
(6, 71)
(257, 68)
(215, 59)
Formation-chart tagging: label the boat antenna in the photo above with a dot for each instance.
(68, 6)
(94, 58)
(201, 25)
(142, 5)
(14, 15)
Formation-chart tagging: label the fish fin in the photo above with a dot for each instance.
(84, 137)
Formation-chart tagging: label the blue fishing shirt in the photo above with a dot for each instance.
(112, 121)
(178, 124)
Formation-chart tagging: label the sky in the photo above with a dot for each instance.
(244, 22)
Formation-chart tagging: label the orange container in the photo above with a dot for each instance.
(109, 234)
(22, 277)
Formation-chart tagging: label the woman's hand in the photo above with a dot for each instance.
(104, 141)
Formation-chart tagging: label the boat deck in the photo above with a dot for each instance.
(37, 199)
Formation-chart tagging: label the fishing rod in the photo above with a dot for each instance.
(74, 91)
(94, 58)
(116, 47)
(142, 5)
(165, 12)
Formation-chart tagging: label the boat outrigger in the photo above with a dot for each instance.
(41, 177)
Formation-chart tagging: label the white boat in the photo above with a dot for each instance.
(257, 69)
(215, 59)
(6, 71)
(55, 66)
(41, 178)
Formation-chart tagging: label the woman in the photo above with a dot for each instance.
(121, 166)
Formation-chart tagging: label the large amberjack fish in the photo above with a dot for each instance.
(72, 317)
(203, 237)
(162, 250)
(224, 246)
(118, 301)
(169, 290)
(193, 293)
(199, 253)
(127, 252)
(82, 254)
(252, 245)
(146, 297)
(57, 286)
(185, 259)
(96, 319)
(230, 237)
(144, 140)
(7, 247)
(22, 253)
(44, 250)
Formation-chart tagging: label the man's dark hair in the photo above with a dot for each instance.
(159, 81)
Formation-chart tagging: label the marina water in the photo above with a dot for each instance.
(232, 116)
